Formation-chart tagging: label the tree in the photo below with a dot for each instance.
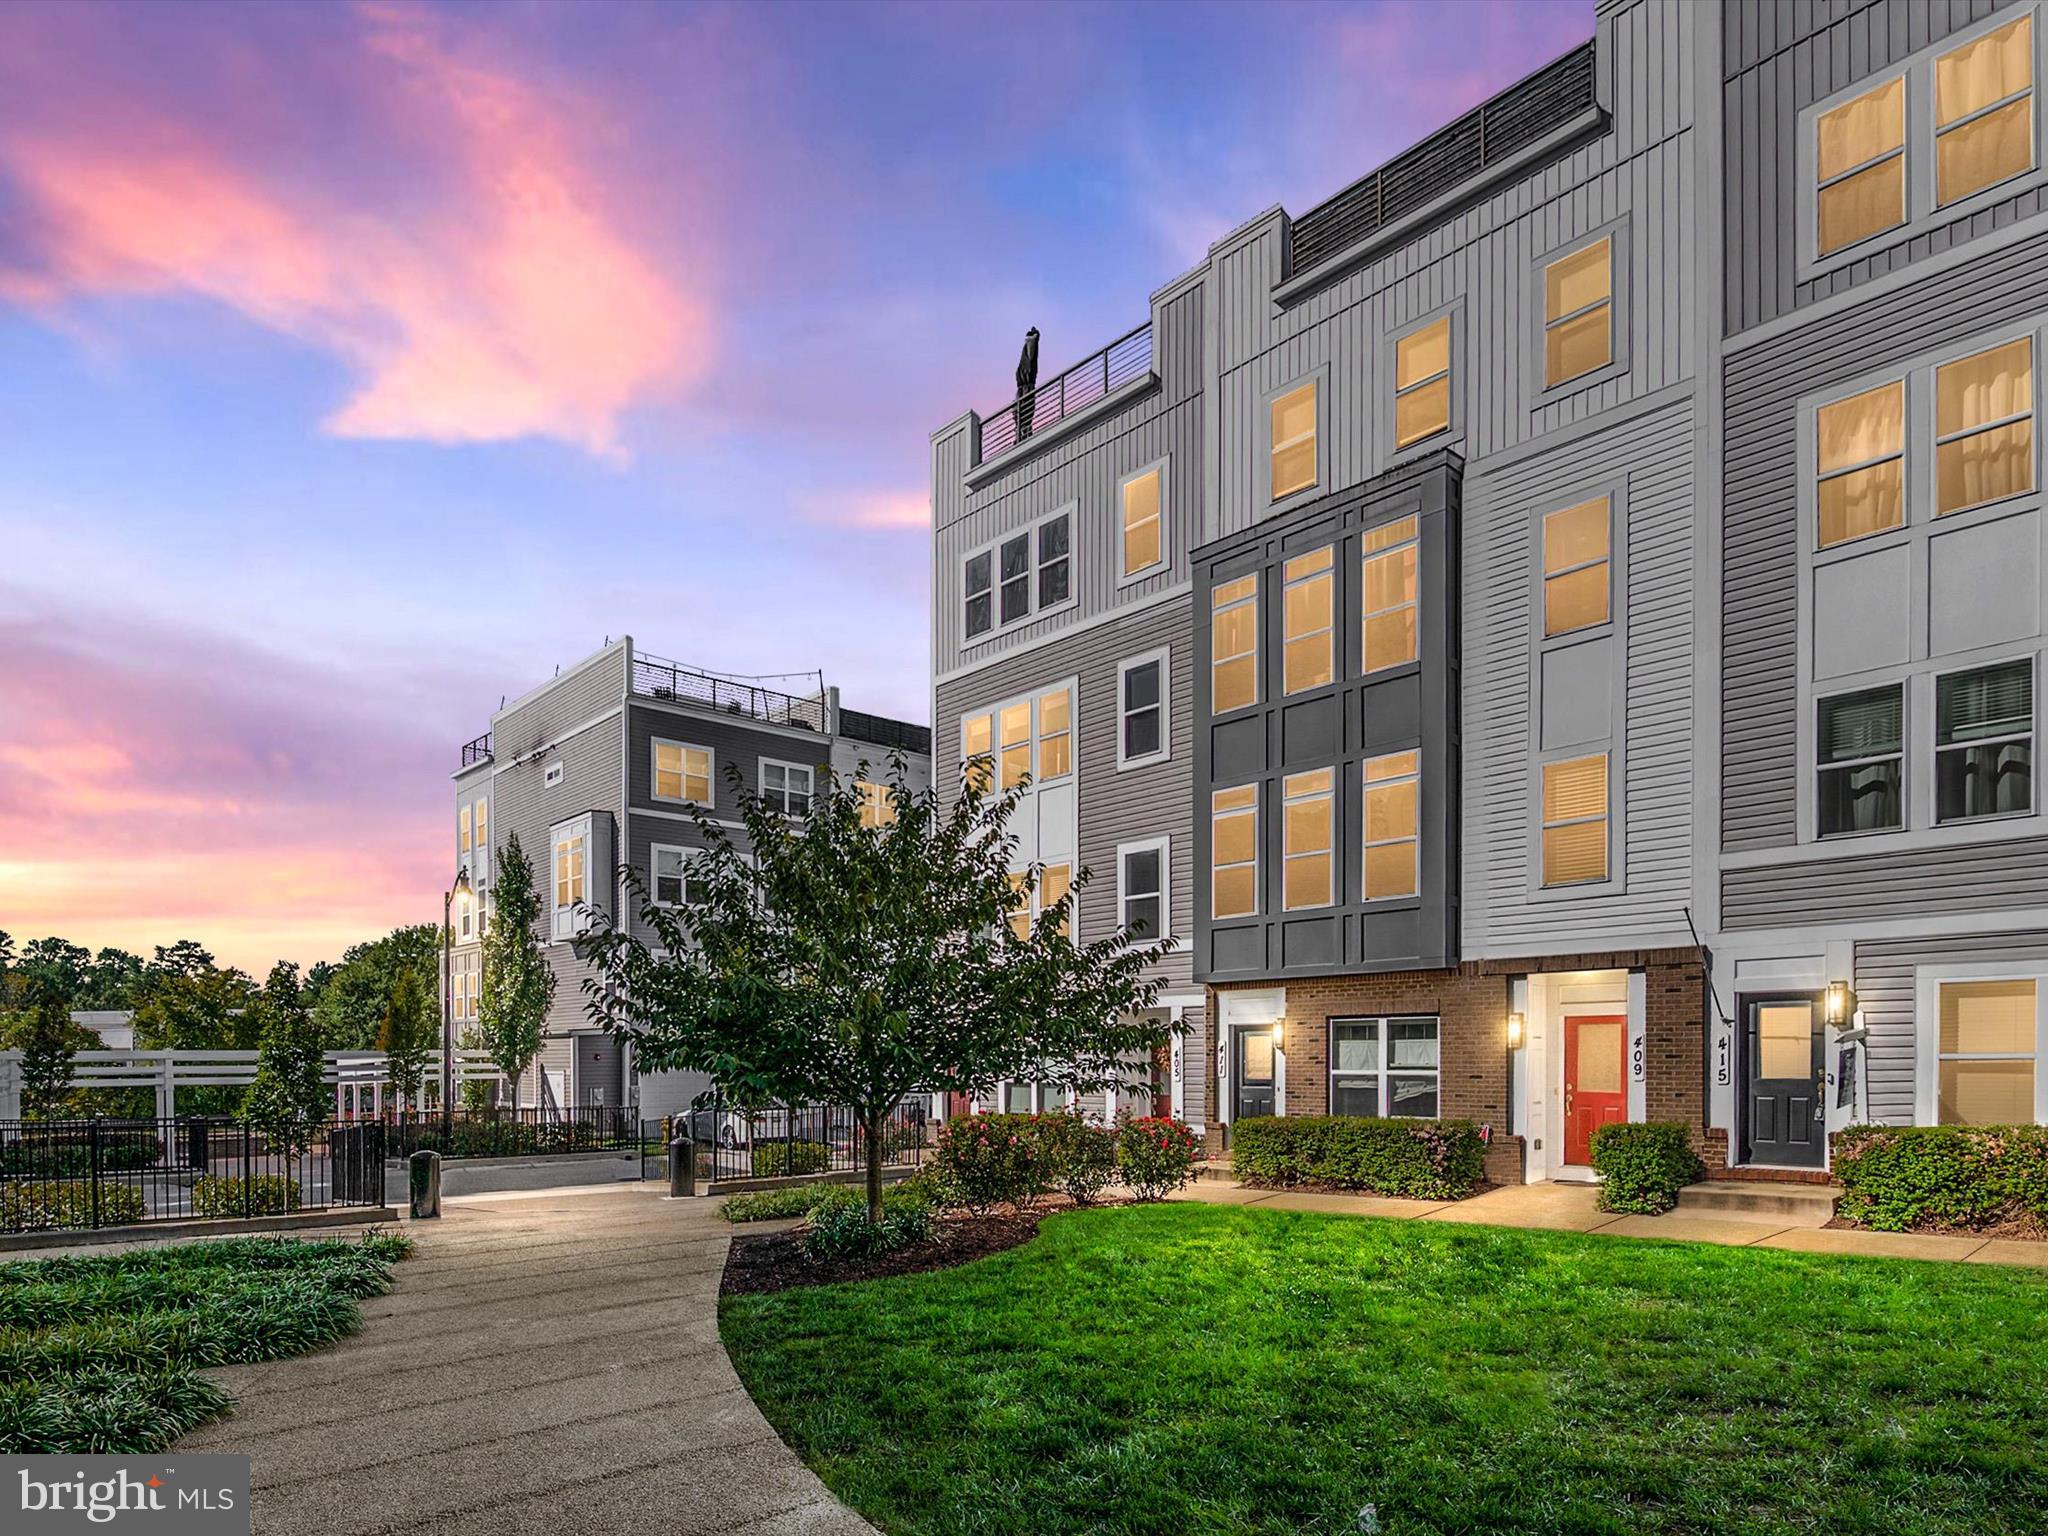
(111, 980)
(851, 965)
(405, 1036)
(48, 1042)
(518, 985)
(289, 1100)
(352, 997)
(188, 1005)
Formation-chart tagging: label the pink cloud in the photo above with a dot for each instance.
(875, 511)
(511, 302)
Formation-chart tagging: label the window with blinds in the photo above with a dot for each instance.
(1861, 746)
(1984, 742)
(1575, 820)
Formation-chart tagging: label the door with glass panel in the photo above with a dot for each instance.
(1252, 1086)
(1784, 1120)
(1595, 1081)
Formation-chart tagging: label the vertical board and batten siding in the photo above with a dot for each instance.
(1885, 986)
(1127, 807)
(1083, 471)
(1486, 257)
(1656, 721)
(1761, 601)
(1778, 59)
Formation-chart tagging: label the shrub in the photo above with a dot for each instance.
(1419, 1159)
(269, 1194)
(1082, 1157)
(992, 1160)
(66, 1204)
(790, 1159)
(930, 1188)
(1155, 1154)
(1897, 1178)
(839, 1227)
(1644, 1166)
(773, 1204)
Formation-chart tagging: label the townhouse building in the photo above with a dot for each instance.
(599, 771)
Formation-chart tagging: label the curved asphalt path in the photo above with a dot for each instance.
(546, 1363)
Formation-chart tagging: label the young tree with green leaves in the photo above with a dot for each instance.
(289, 1100)
(405, 1037)
(350, 998)
(836, 963)
(518, 985)
(49, 1044)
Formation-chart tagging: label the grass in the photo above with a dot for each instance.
(775, 1204)
(1200, 1369)
(103, 1354)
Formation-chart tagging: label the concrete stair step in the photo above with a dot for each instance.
(1797, 1205)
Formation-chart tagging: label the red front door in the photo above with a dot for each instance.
(1595, 1080)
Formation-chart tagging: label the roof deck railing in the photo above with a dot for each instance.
(657, 678)
(478, 751)
(1093, 378)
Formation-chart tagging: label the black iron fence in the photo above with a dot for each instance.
(657, 678)
(58, 1175)
(1128, 357)
(478, 751)
(515, 1132)
(791, 1141)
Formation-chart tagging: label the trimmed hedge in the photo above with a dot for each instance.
(270, 1194)
(1644, 1165)
(1942, 1177)
(67, 1205)
(1421, 1159)
(790, 1159)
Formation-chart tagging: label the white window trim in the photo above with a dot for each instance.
(1454, 424)
(1927, 982)
(1163, 846)
(654, 853)
(993, 549)
(1619, 313)
(1164, 658)
(1320, 378)
(994, 712)
(551, 775)
(1382, 1105)
(808, 770)
(1128, 578)
(654, 746)
(567, 922)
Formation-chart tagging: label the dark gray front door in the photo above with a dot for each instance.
(600, 1075)
(1784, 1108)
(1253, 1079)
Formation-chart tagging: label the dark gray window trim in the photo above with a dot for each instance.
(1071, 510)
(1396, 454)
(1165, 561)
(1262, 487)
(1620, 310)
(1163, 656)
(654, 746)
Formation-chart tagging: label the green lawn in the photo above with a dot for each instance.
(1189, 1368)
(103, 1353)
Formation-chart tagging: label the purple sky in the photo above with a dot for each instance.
(361, 363)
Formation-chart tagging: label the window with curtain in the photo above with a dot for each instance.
(1389, 604)
(1984, 427)
(1385, 1067)
(1984, 112)
(1860, 458)
(1862, 761)
(1308, 612)
(1860, 163)
(1984, 742)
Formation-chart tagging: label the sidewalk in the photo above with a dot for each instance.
(1575, 1208)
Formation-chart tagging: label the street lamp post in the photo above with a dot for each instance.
(460, 887)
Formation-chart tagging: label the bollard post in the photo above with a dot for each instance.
(682, 1168)
(425, 1168)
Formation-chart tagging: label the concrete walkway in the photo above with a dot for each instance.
(1575, 1208)
(546, 1362)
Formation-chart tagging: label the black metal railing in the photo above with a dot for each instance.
(784, 1142)
(58, 1175)
(1128, 357)
(478, 751)
(880, 731)
(515, 1132)
(655, 678)
(1491, 132)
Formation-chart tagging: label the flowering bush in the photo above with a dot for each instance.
(1897, 1178)
(1155, 1154)
(1083, 1156)
(992, 1160)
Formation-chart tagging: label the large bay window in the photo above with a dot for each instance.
(571, 852)
(1384, 1067)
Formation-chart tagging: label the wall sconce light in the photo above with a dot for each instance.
(1838, 1004)
(1514, 1031)
(1279, 1035)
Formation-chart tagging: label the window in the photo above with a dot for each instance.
(1055, 735)
(1422, 383)
(1234, 835)
(1015, 720)
(1307, 837)
(1308, 610)
(463, 834)
(1142, 710)
(1141, 889)
(1234, 644)
(1862, 767)
(1020, 914)
(1575, 567)
(1984, 742)
(1016, 569)
(1294, 440)
(1054, 882)
(1382, 1067)
(977, 756)
(1392, 825)
(1054, 565)
(1860, 453)
(483, 829)
(1984, 427)
(1985, 1053)
(551, 775)
(1984, 112)
(877, 805)
(1575, 820)
(672, 884)
(682, 772)
(1144, 529)
(980, 594)
(787, 786)
(1389, 604)
(1578, 312)
(1860, 160)
(570, 844)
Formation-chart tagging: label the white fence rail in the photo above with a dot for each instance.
(361, 1079)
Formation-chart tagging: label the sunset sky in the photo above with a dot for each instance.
(361, 363)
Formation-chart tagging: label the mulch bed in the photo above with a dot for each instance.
(761, 1262)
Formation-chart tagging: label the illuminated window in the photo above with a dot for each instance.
(1393, 839)
(1054, 882)
(1860, 159)
(1987, 1052)
(877, 805)
(1984, 112)
(1984, 427)
(1575, 567)
(462, 822)
(1144, 541)
(1015, 721)
(1308, 839)
(1578, 312)
(682, 772)
(1308, 611)
(569, 852)
(1234, 644)
(1389, 606)
(1055, 735)
(1422, 383)
(1860, 451)
(483, 830)
(1234, 838)
(1294, 441)
(1020, 912)
(1575, 821)
(977, 754)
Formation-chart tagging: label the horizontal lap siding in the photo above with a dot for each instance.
(1924, 883)
(560, 705)
(1885, 986)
